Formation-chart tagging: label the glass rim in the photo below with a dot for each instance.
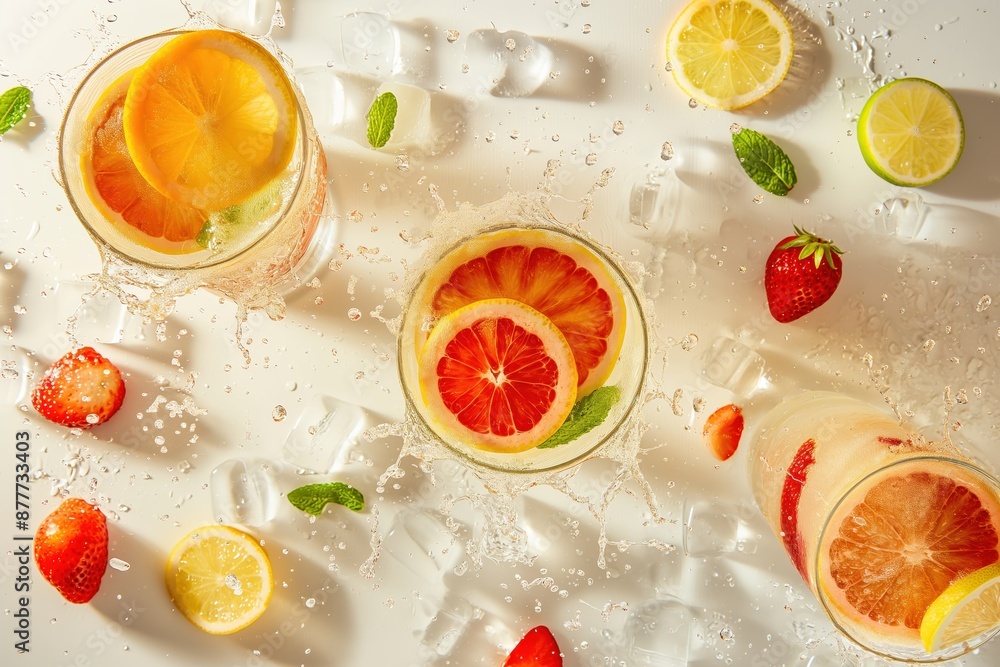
(626, 415)
(829, 608)
(305, 135)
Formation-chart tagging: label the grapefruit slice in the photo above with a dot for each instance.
(497, 375)
(210, 119)
(552, 273)
(116, 186)
(911, 536)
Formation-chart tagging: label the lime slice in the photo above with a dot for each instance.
(964, 611)
(911, 132)
(729, 53)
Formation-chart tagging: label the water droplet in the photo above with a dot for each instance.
(510, 44)
(929, 344)
(234, 584)
(984, 302)
(119, 564)
(758, 199)
(666, 151)
(693, 103)
(93, 418)
(618, 127)
(402, 162)
(311, 602)
(586, 28)
(591, 159)
(735, 128)
(669, 66)
(354, 314)
(279, 413)
(452, 36)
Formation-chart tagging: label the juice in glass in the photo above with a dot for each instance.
(523, 348)
(877, 520)
(192, 161)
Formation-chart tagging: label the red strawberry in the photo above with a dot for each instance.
(801, 274)
(80, 390)
(722, 431)
(71, 549)
(538, 648)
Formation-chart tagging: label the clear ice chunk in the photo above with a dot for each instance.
(912, 220)
(99, 315)
(715, 529)
(244, 492)
(508, 64)
(439, 624)
(423, 543)
(323, 434)
(730, 364)
(375, 45)
(651, 202)
(250, 16)
(413, 118)
(16, 375)
(658, 634)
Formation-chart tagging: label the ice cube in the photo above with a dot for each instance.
(250, 16)
(98, 315)
(732, 365)
(422, 541)
(715, 529)
(244, 492)
(16, 375)
(323, 433)
(508, 64)
(658, 634)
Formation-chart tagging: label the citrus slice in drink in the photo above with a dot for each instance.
(907, 539)
(210, 118)
(116, 186)
(220, 579)
(911, 132)
(967, 609)
(729, 53)
(497, 375)
(552, 273)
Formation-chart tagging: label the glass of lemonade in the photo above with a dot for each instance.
(881, 524)
(192, 160)
(523, 346)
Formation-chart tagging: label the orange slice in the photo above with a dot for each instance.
(552, 273)
(115, 185)
(210, 119)
(905, 543)
(498, 375)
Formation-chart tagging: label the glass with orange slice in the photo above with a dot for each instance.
(523, 347)
(191, 159)
(897, 536)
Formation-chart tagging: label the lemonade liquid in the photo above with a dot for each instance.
(813, 459)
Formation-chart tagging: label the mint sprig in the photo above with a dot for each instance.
(312, 498)
(14, 105)
(764, 162)
(588, 413)
(381, 119)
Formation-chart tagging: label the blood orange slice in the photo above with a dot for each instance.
(554, 274)
(908, 539)
(497, 375)
(114, 183)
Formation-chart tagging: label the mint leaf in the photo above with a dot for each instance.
(381, 119)
(764, 162)
(312, 498)
(588, 413)
(13, 107)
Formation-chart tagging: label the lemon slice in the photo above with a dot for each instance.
(210, 119)
(964, 611)
(911, 132)
(729, 53)
(220, 579)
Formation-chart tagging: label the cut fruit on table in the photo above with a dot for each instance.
(498, 375)
(81, 389)
(968, 608)
(727, 54)
(220, 579)
(114, 183)
(538, 648)
(210, 119)
(723, 430)
(556, 276)
(903, 545)
(71, 549)
(911, 132)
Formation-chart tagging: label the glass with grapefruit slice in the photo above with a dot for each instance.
(897, 536)
(191, 159)
(523, 348)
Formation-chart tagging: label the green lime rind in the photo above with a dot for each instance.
(312, 498)
(588, 413)
(222, 225)
(382, 119)
(14, 105)
(865, 135)
(764, 161)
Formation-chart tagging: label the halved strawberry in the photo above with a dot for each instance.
(71, 549)
(80, 390)
(723, 430)
(537, 648)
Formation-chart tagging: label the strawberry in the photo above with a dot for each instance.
(80, 390)
(71, 549)
(722, 431)
(800, 275)
(537, 648)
